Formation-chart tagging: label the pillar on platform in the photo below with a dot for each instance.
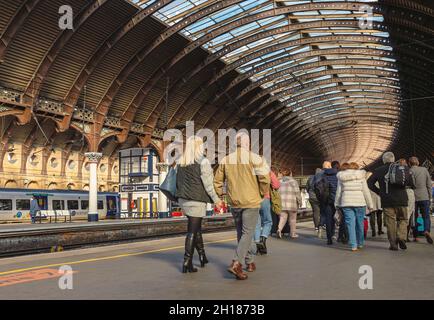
(94, 158)
(163, 208)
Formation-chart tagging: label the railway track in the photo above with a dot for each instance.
(60, 238)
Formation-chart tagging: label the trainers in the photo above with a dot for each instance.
(320, 233)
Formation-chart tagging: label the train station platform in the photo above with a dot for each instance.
(305, 268)
(26, 238)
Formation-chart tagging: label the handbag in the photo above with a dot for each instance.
(168, 187)
(338, 216)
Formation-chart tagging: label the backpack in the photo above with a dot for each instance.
(276, 201)
(397, 175)
(322, 190)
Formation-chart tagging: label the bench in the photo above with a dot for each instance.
(50, 214)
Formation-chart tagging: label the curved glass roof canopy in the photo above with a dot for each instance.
(327, 68)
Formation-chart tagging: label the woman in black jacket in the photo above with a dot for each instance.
(195, 188)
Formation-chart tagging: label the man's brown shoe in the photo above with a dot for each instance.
(237, 269)
(251, 267)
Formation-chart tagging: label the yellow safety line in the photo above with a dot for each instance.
(105, 258)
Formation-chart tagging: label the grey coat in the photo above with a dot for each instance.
(422, 181)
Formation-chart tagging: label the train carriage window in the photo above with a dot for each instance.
(84, 204)
(100, 204)
(5, 204)
(58, 204)
(72, 204)
(23, 204)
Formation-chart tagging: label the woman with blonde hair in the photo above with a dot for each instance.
(353, 196)
(194, 189)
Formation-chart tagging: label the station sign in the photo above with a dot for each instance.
(140, 187)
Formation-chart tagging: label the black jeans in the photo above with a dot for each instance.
(328, 213)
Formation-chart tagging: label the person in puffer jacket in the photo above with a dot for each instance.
(353, 197)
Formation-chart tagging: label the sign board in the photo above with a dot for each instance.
(140, 187)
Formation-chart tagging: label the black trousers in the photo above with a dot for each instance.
(328, 216)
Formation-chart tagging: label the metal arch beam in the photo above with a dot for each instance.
(236, 81)
(299, 130)
(294, 122)
(243, 21)
(313, 53)
(410, 5)
(315, 65)
(34, 86)
(381, 73)
(74, 92)
(315, 93)
(140, 56)
(253, 56)
(294, 28)
(313, 84)
(298, 90)
(15, 24)
(312, 102)
(277, 96)
(27, 146)
(238, 63)
(391, 106)
(305, 134)
(5, 141)
(275, 111)
(353, 6)
(374, 83)
(132, 109)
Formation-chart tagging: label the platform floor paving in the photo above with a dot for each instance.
(305, 268)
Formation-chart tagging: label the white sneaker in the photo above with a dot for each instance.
(279, 234)
(320, 233)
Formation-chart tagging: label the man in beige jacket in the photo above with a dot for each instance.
(248, 179)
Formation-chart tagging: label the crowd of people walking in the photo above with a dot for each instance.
(341, 196)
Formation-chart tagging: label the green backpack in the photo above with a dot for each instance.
(276, 201)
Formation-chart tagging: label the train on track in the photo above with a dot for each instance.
(15, 203)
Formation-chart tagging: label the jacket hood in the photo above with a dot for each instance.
(331, 172)
(349, 175)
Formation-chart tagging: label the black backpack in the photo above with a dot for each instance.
(397, 175)
(322, 189)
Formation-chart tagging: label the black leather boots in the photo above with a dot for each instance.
(187, 266)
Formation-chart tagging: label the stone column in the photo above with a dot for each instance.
(163, 210)
(94, 158)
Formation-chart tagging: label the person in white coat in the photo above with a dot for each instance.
(353, 197)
